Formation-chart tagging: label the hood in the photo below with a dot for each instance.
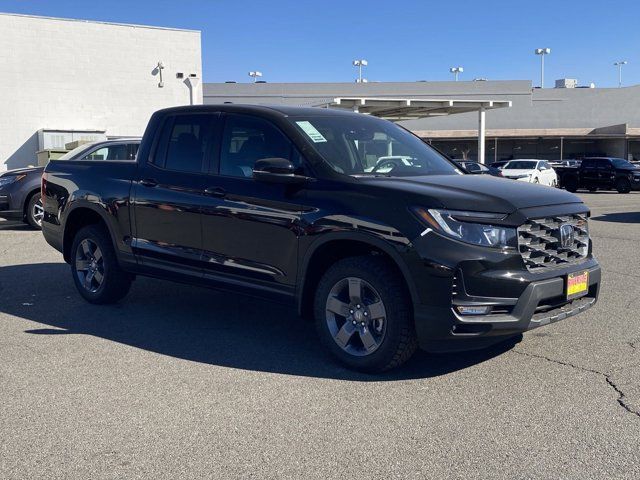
(479, 193)
(18, 171)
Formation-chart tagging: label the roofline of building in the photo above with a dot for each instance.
(527, 132)
(133, 25)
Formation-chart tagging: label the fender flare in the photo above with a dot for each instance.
(372, 240)
(85, 205)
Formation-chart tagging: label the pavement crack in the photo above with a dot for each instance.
(621, 396)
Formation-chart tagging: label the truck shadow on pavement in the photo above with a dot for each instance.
(619, 217)
(198, 325)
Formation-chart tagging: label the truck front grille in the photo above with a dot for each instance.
(540, 246)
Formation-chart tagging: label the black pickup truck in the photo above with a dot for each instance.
(600, 173)
(380, 239)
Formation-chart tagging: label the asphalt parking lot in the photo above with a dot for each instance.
(183, 382)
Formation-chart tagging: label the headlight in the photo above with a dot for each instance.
(7, 179)
(461, 226)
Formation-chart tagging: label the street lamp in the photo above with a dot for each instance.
(456, 71)
(360, 63)
(619, 65)
(255, 75)
(542, 52)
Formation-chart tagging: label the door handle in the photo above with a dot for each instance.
(215, 192)
(149, 182)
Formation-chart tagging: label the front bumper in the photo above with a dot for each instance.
(541, 303)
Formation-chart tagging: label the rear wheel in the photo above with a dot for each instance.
(95, 269)
(363, 314)
(35, 211)
(623, 185)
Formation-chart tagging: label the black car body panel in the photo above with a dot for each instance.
(265, 239)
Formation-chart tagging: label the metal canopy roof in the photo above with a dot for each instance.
(413, 108)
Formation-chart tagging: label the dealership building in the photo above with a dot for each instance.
(74, 80)
(550, 123)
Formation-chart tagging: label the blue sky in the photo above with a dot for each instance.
(403, 40)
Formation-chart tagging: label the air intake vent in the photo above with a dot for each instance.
(542, 244)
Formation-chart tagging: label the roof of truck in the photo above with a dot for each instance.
(285, 110)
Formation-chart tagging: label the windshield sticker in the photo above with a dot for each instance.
(311, 132)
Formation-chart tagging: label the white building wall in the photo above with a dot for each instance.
(83, 75)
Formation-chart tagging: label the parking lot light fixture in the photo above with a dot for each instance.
(360, 63)
(542, 52)
(255, 75)
(619, 65)
(456, 71)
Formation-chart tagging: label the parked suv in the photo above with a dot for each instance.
(294, 204)
(20, 188)
(600, 173)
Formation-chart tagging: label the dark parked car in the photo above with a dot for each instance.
(294, 204)
(20, 189)
(600, 173)
(477, 168)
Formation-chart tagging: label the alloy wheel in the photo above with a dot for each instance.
(89, 265)
(356, 316)
(37, 212)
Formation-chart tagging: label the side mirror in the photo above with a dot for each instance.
(277, 170)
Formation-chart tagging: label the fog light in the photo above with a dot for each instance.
(473, 309)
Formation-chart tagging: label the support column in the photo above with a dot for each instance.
(481, 134)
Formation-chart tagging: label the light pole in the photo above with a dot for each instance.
(255, 75)
(456, 71)
(360, 63)
(542, 52)
(619, 65)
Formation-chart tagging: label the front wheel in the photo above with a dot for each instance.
(95, 269)
(35, 211)
(363, 314)
(623, 185)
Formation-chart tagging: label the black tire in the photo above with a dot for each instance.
(34, 212)
(623, 185)
(397, 343)
(115, 283)
(570, 184)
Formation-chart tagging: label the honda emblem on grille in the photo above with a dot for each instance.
(567, 234)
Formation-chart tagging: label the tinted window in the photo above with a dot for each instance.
(248, 139)
(472, 167)
(604, 164)
(111, 152)
(187, 138)
(588, 163)
(620, 163)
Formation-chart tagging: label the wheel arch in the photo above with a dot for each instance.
(336, 246)
(79, 217)
(27, 199)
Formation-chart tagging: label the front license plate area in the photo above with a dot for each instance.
(577, 285)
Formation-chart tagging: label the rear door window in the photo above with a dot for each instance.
(109, 152)
(185, 143)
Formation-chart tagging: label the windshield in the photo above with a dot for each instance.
(620, 163)
(363, 145)
(521, 165)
